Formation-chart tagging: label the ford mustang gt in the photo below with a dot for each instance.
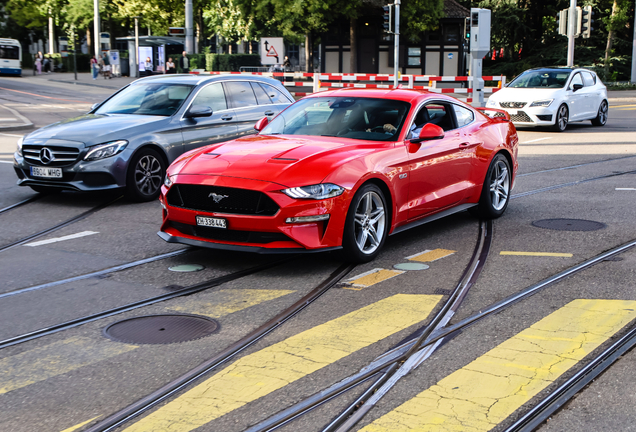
(342, 170)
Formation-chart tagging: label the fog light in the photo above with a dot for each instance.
(305, 219)
(163, 205)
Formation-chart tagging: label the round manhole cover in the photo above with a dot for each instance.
(569, 224)
(161, 329)
(410, 266)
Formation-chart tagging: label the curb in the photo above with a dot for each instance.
(26, 124)
(86, 84)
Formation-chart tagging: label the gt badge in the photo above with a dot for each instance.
(217, 198)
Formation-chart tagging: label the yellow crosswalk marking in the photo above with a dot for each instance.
(370, 278)
(272, 368)
(430, 255)
(545, 254)
(229, 301)
(55, 359)
(77, 426)
(486, 391)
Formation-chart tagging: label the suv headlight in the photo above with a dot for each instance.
(106, 150)
(317, 192)
(20, 141)
(542, 103)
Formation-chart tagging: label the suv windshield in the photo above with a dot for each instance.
(541, 79)
(157, 99)
(347, 117)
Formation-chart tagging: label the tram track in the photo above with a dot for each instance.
(21, 203)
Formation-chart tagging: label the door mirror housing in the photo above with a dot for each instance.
(199, 111)
(260, 125)
(95, 106)
(429, 132)
(576, 87)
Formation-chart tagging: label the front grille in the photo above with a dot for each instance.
(230, 200)
(545, 117)
(512, 104)
(520, 117)
(228, 235)
(62, 155)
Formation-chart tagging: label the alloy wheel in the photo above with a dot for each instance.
(562, 117)
(369, 223)
(148, 175)
(499, 185)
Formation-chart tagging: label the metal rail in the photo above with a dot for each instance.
(18, 204)
(183, 381)
(575, 166)
(574, 183)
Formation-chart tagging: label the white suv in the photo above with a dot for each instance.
(553, 97)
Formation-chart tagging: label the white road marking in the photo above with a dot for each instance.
(1, 161)
(59, 239)
(535, 140)
(634, 189)
(6, 134)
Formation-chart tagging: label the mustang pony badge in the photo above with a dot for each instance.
(217, 198)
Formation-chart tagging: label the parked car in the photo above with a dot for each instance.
(128, 140)
(553, 97)
(341, 169)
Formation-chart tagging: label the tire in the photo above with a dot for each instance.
(601, 116)
(495, 194)
(48, 190)
(366, 226)
(145, 176)
(561, 121)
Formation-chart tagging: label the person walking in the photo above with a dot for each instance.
(148, 66)
(38, 62)
(94, 67)
(170, 67)
(106, 66)
(184, 63)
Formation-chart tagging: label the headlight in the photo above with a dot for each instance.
(106, 150)
(167, 182)
(541, 103)
(491, 103)
(317, 192)
(20, 141)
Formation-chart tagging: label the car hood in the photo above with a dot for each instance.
(525, 94)
(94, 129)
(287, 160)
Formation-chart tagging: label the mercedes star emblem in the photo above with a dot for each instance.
(46, 156)
(217, 198)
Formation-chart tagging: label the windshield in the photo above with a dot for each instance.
(157, 99)
(541, 79)
(347, 117)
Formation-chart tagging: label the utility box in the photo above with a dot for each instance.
(480, 30)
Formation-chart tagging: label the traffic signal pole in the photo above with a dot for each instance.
(396, 54)
(634, 49)
(571, 31)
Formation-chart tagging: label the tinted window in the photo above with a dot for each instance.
(9, 52)
(463, 115)
(147, 99)
(212, 96)
(576, 80)
(261, 96)
(241, 94)
(440, 115)
(588, 79)
(541, 79)
(275, 95)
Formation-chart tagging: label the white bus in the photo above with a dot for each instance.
(10, 57)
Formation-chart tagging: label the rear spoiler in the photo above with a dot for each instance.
(495, 113)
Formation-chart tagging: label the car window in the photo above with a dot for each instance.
(147, 99)
(212, 96)
(440, 115)
(576, 79)
(541, 79)
(274, 94)
(588, 79)
(261, 96)
(463, 115)
(241, 94)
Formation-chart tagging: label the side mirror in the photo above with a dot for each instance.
(429, 132)
(576, 87)
(260, 125)
(95, 106)
(199, 111)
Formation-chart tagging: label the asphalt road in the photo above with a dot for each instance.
(482, 378)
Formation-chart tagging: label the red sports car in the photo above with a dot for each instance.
(342, 169)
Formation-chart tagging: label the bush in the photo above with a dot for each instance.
(230, 62)
(83, 62)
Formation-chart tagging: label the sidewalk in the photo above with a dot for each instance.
(11, 120)
(85, 79)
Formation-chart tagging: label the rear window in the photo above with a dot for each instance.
(9, 52)
(277, 96)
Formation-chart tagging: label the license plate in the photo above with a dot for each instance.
(211, 222)
(46, 172)
(512, 112)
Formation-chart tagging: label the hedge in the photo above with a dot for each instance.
(230, 62)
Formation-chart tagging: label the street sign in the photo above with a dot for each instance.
(272, 50)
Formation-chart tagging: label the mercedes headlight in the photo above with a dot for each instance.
(20, 141)
(317, 192)
(541, 103)
(106, 150)
(491, 103)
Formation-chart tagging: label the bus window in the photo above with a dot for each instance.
(9, 52)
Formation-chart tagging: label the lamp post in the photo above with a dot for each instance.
(96, 29)
(136, 46)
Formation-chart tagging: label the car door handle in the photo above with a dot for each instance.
(469, 144)
(226, 117)
(269, 113)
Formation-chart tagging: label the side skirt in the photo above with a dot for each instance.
(433, 217)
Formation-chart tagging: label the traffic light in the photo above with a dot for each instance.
(467, 28)
(388, 19)
(562, 22)
(586, 21)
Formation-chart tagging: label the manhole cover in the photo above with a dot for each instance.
(410, 266)
(569, 224)
(185, 268)
(161, 329)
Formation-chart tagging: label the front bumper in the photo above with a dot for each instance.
(256, 233)
(531, 116)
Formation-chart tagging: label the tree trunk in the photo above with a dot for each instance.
(309, 53)
(353, 39)
(89, 42)
(610, 40)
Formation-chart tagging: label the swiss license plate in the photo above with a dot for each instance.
(512, 112)
(211, 222)
(46, 172)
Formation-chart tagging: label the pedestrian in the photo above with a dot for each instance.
(170, 67)
(106, 66)
(94, 67)
(38, 62)
(184, 63)
(46, 66)
(287, 64)
(148, 66)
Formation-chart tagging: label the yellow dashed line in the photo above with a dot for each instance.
(545, 254)
(272, 368)
(370, 278)
(229, 301)
(55, 359)
(482, 394)
(430, 255)
(76, 427)
(621, 106)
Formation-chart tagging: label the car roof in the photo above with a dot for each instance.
(402, 94)
(195, 79)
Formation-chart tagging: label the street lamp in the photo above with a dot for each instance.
(136, 46)
(96, 29)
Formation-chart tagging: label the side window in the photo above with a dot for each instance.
(463, 115)
(275, 95)
(241, 94)
(261, 96)
(440, 115)
(576, 80)
(588, 79)
(212, 96)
